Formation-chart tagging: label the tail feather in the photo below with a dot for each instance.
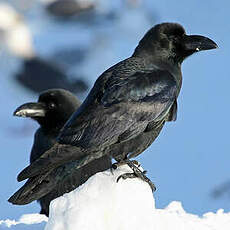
(33, 189)
(55, 183)
(58, 155)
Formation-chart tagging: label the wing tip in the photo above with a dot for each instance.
(18, 198)
(22, 175)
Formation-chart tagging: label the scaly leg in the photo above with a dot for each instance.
(136, 172)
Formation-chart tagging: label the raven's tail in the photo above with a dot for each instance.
(61, 180)
(58, 155)
(33, 189)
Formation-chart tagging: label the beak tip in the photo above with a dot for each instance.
(19, 113)
(16, 113)
(212, 44)
(30, 109)
(198, 43)
(209, 45)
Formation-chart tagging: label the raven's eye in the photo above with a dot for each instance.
(52, 105)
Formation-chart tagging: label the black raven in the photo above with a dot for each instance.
(130, 101)
(52, 110)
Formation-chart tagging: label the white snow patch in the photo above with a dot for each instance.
(103, 204)
(34, 218)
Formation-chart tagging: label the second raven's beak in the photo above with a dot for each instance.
(31, 109)
(195, 43)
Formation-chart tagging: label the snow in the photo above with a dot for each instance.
(25, 219)
(102, 203)
(191, 157)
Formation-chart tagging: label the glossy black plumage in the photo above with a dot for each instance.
(52, 110)
(129, 102)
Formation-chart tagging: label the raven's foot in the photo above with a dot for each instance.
(136, 173)
(123, 162)
(126, 176)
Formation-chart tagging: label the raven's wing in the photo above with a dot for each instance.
(121, 105)
(115, 111)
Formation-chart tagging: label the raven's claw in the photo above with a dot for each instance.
(127, 175)
(136, 173)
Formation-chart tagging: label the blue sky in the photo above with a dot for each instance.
(191, 155)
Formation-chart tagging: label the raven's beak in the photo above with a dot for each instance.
(31, 109)
(195, 43)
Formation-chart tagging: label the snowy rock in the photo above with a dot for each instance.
(103, 204)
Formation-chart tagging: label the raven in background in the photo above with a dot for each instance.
(129, 102)
(53, 109)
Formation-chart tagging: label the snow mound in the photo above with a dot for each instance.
(103, 204)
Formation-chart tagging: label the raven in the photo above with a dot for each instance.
(128, 104)
(52, 110)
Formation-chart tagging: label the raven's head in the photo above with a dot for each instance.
(168, 41)
(53, 109)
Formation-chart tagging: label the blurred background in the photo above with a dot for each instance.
(69, 43)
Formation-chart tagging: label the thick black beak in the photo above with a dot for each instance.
(195, 43)
(31, 109)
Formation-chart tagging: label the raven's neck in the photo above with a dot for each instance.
(161, 62)
(49, 126)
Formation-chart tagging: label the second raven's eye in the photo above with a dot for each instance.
(52, 105)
